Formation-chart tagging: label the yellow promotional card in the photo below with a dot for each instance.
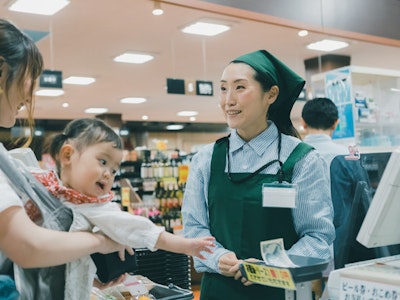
(266, 275)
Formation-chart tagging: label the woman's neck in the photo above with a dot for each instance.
(248, 135)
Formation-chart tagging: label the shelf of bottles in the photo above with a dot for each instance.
(155, 186)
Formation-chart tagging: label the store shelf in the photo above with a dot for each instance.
(368, 101)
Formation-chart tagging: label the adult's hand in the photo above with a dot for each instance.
(238, 273)
(227, 263)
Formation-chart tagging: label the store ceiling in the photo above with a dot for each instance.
(85, 36)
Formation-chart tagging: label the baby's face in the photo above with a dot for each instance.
(92, 171)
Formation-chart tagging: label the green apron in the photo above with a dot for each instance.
(239, 222)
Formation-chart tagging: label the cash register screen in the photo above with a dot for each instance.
(381, 223)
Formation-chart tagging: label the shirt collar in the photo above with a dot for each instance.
(317, 137)
(259, 143)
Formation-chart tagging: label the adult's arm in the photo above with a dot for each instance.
(313, 215)
(30, 245)
(195, 209)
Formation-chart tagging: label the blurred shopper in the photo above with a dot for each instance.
(320, 118)
(349, 181)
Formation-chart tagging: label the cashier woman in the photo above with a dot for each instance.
(237, 190)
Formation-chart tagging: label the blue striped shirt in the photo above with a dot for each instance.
(313, 215)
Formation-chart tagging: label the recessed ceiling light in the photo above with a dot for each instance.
(80, 80)
(133, 100)
(49, 92)
(145, 117)
(174, 127)
(65, 104)
(157, 10)
(327, 45)
(206, 28)
(192, 119)
(96, 110)
(302, 33)
(187, 113)
(40, 7)
(133, 58)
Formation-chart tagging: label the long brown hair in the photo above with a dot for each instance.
(24, 60)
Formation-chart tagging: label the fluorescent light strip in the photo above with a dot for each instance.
(174, 127)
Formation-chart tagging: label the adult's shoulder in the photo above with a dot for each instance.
(291, 142)
(204, 152)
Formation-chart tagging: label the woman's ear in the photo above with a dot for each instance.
(65, 154)
(272, 94)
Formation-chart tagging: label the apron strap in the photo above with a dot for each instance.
(298, 153)
(218, 164)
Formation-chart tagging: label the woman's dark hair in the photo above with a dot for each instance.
(83, 133)
(24, 59)
(283, 123)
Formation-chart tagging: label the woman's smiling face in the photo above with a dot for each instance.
(243, 100)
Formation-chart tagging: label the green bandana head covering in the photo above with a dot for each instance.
(274, 72)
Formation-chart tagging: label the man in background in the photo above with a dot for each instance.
(320, 118)
(350, 188)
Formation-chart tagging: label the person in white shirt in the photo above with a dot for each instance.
(21, 240)
(320, 118)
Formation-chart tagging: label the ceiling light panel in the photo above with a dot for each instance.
(96, 110)
(49, 92)
(207, 28)
(133, 100)
(327, 45)
(79, 80)
(187, 113)
(133, 58)
(40, 7)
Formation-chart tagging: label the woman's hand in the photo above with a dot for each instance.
(238, 274)
(227, 264)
